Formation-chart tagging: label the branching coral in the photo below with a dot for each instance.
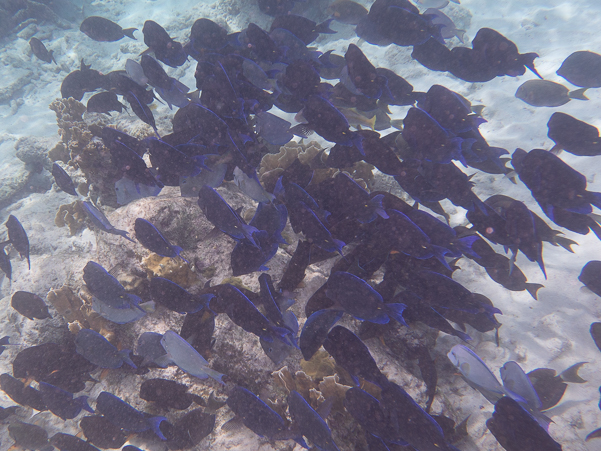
(273, 165)
(174, 269)
(71, 215)
(78, 313)
(78, 148)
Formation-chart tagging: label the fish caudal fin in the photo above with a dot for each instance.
(124, 354)
(533, 289)
(395, 311)
(129, 32)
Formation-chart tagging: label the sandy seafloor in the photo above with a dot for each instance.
(552, 332)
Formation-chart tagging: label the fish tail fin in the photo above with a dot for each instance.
(439, 253)
(83, 400)
(123, 233)
(339, 245)
(376, 204)
(595, 199)
(248, 234)
(556, 149)
(52, 56)
(566, 243)
(533, 289)
(527, 59)
(571, 374)
(214, 375)
(461, 35)
(465, 245)
(459, 334)
(595, 228)
(595, 434)
(541, 265)
(324, 27)
(578, 94)
(129, 32)
(395, 311)
(155, 423)
(124, 354)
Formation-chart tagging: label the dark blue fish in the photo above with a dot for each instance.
(125, 416)
(255, 414)
(582, 69)
(165, 49)
(403, 235)
(206, 35)
(222, 216)
(104, 102)
(329, 123)
(141, 110)
(273, 129)
(18, 237)
(104, 30)
(348, 199)
(452, 111)
(168, 394)
(573, 135)
(292, 47)
(438, 290)
(97, 349)
(63, 180)
(277, 351)
(411, 422)
(369, 413)
(359, 299)
(198, 330)
(247, 258)
(153, 240)
(314, 229)
(521, 230)
(267, 298)
(309, 423)
(316, 329)
(416, 310)
(61, 402)
(516, 430)
(428, 139)
(99, 220)
(171, 295)
(295, 271)
(244, 313)
(271, 218)
(83, 80)
(304, 29)
(29, 305)
(261, 44)
(101, 432)
(352, 355)
(149, 346)
(190, 429)
(363, 75)
(67, 442)
(540, 170)
(106, 287)
(442, 234)
(20, 393)
(433, 55)
(590, 276)
(40, 51)
(400, 91)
